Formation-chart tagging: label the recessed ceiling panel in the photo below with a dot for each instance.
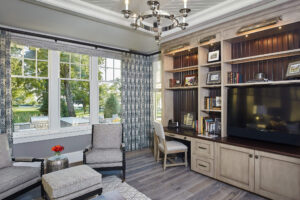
(173, 6)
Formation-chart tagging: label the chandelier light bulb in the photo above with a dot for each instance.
(184, 3)
(126, 4)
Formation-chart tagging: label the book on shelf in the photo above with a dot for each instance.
(234, 77)
(212, 103)
(210, 125)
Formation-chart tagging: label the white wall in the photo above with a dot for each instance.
(20, 14)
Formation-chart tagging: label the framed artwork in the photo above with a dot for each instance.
(191, 80)
(188, 120)
(213, 56)
(213, 78)
(293, 70)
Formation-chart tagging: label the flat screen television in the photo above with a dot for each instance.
(268, 113)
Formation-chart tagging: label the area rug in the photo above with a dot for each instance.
(113, 183)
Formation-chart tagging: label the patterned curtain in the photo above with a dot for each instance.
(137, 106)
(5, 86)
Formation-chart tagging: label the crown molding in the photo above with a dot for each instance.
(226, 12)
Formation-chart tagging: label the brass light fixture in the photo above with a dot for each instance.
(258, 25)
(207, 39)
(156, 20)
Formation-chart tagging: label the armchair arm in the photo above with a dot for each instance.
(31, 159)
(23, 159)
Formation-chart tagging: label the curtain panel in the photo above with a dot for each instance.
(5, 86)
(137, 108)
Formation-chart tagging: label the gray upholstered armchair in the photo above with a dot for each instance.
(15, 180)
(107, 151)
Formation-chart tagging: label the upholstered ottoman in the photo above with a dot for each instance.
(72, 183)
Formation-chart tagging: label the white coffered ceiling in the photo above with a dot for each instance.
(101, 21)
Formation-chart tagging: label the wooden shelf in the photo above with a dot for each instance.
(209, 110)
(211, 86)
(268, 56)
(215, 64)
(182, 88)
(183, 69)
(285, 82)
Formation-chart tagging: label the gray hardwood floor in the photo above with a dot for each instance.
(176, 183)
(180, 183)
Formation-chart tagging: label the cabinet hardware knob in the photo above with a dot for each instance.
(184, 138)
(256, 156)
(250, 155)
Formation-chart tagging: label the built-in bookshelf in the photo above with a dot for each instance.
(268, 50)
(208, 93)
(179, 97)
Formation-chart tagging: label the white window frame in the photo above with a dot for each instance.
(55, 130)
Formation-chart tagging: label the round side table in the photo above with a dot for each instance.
(56, 163)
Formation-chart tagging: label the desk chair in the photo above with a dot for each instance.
(168, 147)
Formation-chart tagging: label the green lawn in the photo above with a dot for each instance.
(23, 114)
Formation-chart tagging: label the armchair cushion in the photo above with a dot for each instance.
(107, 136)
(11, 177)
(5, 159)
(104, 156)
(173, 146)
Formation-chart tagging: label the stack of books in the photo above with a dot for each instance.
(210, 103)
(234, 77)
(210, 125)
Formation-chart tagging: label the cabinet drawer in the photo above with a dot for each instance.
(181, 137)
(203, 148)
(203, 165)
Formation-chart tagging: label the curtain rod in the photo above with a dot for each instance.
(75, 41)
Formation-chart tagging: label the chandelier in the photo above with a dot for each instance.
(156, 20)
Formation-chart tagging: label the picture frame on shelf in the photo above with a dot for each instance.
(191, 80)
(213, 77)
(213, 56)
(188, 120)
(293, 70)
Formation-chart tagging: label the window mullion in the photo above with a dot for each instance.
(94, 91)
(54, 90)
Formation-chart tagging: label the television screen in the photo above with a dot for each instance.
(269, 113)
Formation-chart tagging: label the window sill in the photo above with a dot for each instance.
(40, 135)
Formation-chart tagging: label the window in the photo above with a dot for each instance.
(157, 90)
(109, 77)
(29, 87)
(74, 89)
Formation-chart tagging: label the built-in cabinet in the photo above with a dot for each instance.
(235, 165)
(203, 157)
(270, 175)
(277, 176)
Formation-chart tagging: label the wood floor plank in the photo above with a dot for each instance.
(177, 183)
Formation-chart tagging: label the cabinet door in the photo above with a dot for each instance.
(277, 176)
(235, 165)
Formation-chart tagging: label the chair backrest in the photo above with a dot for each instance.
(5, 158)
(107, 136)
(159, 131)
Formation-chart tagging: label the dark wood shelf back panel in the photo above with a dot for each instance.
(186, 58)
(185, 101)
(274, 69)
(282, 41)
